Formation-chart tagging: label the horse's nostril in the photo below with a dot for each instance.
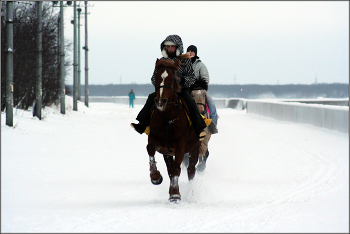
(165, 101)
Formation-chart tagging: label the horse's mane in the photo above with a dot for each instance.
(166, 63)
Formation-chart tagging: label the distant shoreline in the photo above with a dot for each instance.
(324, 90)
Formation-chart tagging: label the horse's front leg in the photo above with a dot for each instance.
(175, 172)
(169, 161)
(156, 177)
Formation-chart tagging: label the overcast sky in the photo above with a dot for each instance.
(262, 42)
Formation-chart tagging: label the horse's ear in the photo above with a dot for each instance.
(157, 63)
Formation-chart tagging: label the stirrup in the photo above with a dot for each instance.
(201, 136)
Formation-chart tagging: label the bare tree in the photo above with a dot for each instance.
(24, 62)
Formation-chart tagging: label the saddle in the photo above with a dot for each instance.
(183, 103)
(207, 121)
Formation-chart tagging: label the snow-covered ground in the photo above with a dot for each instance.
(88, 171)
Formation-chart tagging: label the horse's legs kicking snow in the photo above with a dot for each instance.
(156, 177)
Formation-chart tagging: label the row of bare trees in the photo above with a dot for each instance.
(24, 57)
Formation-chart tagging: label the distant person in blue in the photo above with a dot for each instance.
(131, 99)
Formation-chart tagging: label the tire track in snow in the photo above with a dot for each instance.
(315, 183)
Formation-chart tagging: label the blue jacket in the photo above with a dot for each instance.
(131, 96)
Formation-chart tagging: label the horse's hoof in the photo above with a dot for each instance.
(175, 198)
(186, 160)
(201, 166)
(157, 182)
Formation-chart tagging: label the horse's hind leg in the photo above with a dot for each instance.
(203, 152)
(156, 177)
(186, 159)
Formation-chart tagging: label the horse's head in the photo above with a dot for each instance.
(199, 95)
(166, 83)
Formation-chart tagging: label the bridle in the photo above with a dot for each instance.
(172, 82)
(177, 103)
(172, 86)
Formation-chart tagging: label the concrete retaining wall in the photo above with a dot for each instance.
(335, 102)
(326, 116)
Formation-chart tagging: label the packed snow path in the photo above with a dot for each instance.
(88, 171)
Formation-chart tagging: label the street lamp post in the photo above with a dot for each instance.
(9, 65)
(79, 70)
(61, 46)
(38, 99)
(86, 59)
(75, 74)
(62, 54)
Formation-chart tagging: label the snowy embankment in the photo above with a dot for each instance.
(87, 171)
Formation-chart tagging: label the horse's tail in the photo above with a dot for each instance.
(183, 56)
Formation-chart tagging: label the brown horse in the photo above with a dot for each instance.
(171, 133)
(199, 95)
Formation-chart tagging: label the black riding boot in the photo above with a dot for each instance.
(144, 116)
(196, 118)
